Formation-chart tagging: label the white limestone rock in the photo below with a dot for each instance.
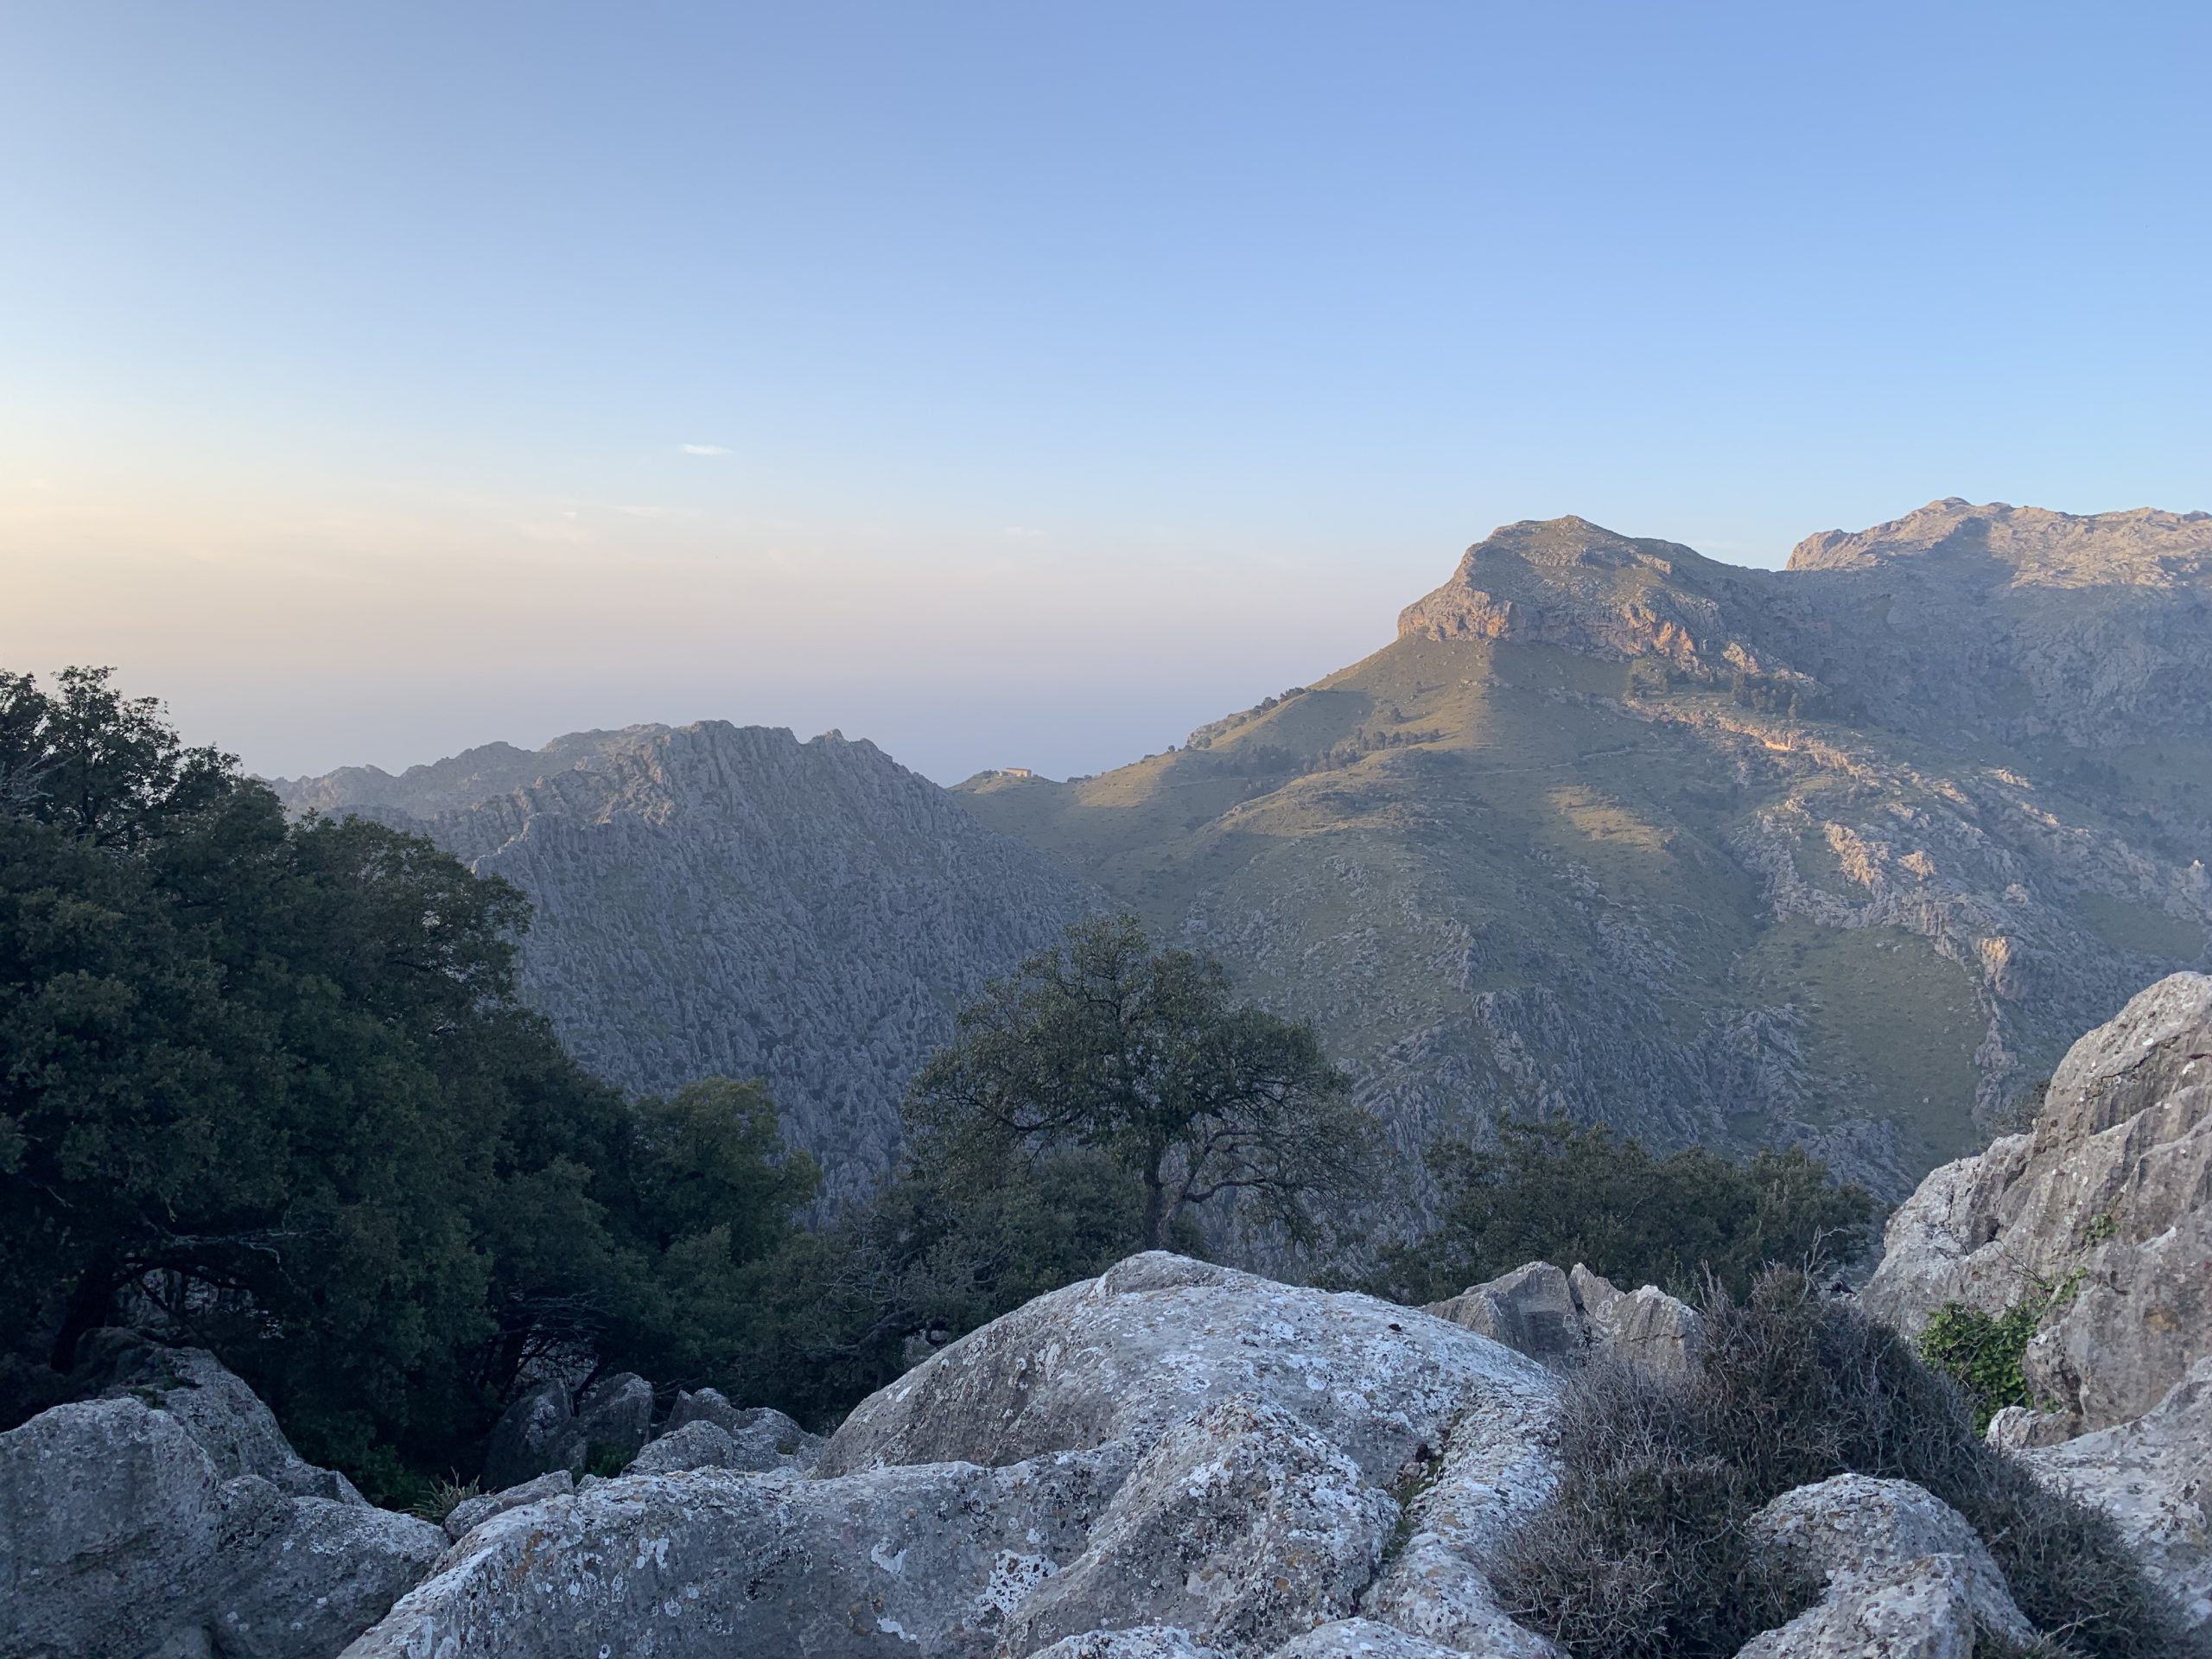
(2153, 1476)
(1850, 1527)
(1156, 1339)
(1241, 1526)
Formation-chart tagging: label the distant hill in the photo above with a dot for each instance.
(723, 899)
(1842, 854)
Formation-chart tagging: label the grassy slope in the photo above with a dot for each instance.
(1514, 826)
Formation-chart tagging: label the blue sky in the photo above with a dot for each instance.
(1023, 383)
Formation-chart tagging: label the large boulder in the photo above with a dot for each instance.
(1565, 1318)
(1156, 1339)
(226, 1417)
(909, 1561)
(471, 1512)
(1844, 1529)
(120, 1534)
(1922, 1609)
(1531, 1310)
(1241, 1526)
(2153, 1476)
(1170, 1458)
(2103, 1211)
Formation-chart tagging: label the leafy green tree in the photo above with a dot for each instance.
(1550, 1192)
(1104, 1044)
(271, 1084)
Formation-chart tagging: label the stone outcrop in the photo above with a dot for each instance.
(1921, 1609)
(465, 1516)
(123, 1531)
(2102, 1212)
(1175, 1459)
(761, 1437)
(723, 901)
(1154, 1340)
(545, 1429)
(1240, 1525)
(1565, 1318)
(1853, 1530)
(2153, 1476)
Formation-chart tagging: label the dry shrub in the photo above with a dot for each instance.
(1643, 1552)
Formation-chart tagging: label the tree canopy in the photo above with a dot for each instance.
(1547, 1190)
(271, 1083)
(1104, 1044)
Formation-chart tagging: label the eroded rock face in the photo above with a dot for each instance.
(2154, 1478)
(120, 1534)
(1852, 1528)
(1156, 1338)
(908, 1561)
(1241, 1526)
(1151, 1642)
(2108, 1198)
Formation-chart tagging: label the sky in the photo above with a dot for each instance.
(1023, 385)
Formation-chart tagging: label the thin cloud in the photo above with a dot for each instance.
(702, 450)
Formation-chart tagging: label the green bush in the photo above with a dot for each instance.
(1640, 1553)
(1549, 1192)
(1983, 1354)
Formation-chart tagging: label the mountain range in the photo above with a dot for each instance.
(1841, 855)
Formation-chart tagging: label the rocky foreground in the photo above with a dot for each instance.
(1175, 1460)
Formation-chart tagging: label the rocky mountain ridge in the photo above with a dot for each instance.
(1841, 855)
(722, 900)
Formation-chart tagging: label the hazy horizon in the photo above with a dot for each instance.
(1012, 385)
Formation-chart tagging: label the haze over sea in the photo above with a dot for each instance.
(1015, 384)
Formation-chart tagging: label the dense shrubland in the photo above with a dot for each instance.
(1546, 1191)
(268, 1084)
(1643, 1550)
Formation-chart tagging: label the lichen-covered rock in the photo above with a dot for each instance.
(107, 1508)
(2153, 1476)
(1495, 1469)
(1241, 1526)
(1850, 1526)
(118, 1535)
(1921, 1609)
(912, 1561)
(2110, 1195)
(227, 1418)
(1157, 1338)
(2017, 1428)
(471, 1512)
(1152, 1642)
(320, 1578)
(1362, 1638)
